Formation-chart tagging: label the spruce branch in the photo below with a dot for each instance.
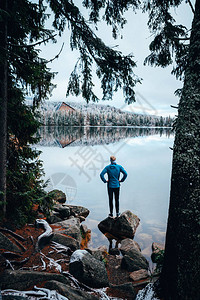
(33, 45)
(191, 6)
(57, 55)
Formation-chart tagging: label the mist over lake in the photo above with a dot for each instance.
(74, 157)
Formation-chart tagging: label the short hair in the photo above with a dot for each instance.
(113, 158)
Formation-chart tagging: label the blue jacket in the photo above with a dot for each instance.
(113, 170)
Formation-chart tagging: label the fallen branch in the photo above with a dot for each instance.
(79, 284)
(23, 293)
(19, 244)
(50, 295)
(43, 264)
(31, 238)
(45, 237)
(8, 264)
(52, 263)
(21, 238)
(19, 263)
(59, 248)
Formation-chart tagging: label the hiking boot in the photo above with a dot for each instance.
(110, 216)
(118, 215)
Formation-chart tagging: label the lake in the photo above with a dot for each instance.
(74, 157)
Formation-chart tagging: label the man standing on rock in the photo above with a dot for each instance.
(113, 183)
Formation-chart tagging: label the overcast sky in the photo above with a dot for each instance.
(154, 95)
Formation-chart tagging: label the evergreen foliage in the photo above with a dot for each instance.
(170, 43)
(114, 69)
(25, 188)
(26, 72)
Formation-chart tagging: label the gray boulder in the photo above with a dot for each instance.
(63, 211)
(131, 264)
(69, 227)
(23, 280)
(79, 211)
(54, 218)
(69, 292)
(128, 245)
(122, 227)
(67, 241)
(132, 259)
(98, 253)
(6, 244)
(84, 267)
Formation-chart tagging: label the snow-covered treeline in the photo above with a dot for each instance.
(97, 115)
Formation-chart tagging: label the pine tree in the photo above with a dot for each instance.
(21, 26)
(172, 43)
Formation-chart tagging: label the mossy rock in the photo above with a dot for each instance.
(58, 196)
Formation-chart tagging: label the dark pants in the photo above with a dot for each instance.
(114, 191)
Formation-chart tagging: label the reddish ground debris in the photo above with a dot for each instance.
(41, 261)
(35, 260)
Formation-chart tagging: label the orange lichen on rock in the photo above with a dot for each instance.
(85, 240)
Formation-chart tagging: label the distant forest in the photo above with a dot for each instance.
(96, 115)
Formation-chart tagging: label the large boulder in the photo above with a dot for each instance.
(122, 227)
(98, 253)
(7, 244)
(67, 241)
(23, 280)
(128, 245)
(62, 210)
(133, 259)
(87, 269)
(79, 211)
(69, 292)
(69, 227)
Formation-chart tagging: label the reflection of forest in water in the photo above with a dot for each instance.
(75, 136)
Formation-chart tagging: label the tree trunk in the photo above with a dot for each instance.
(180, 277)
(3, 105)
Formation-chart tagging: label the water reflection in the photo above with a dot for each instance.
(54, 136)
(144, 152)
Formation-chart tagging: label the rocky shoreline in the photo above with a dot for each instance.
(53, 255)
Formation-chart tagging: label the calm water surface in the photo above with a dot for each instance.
(74, 157)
